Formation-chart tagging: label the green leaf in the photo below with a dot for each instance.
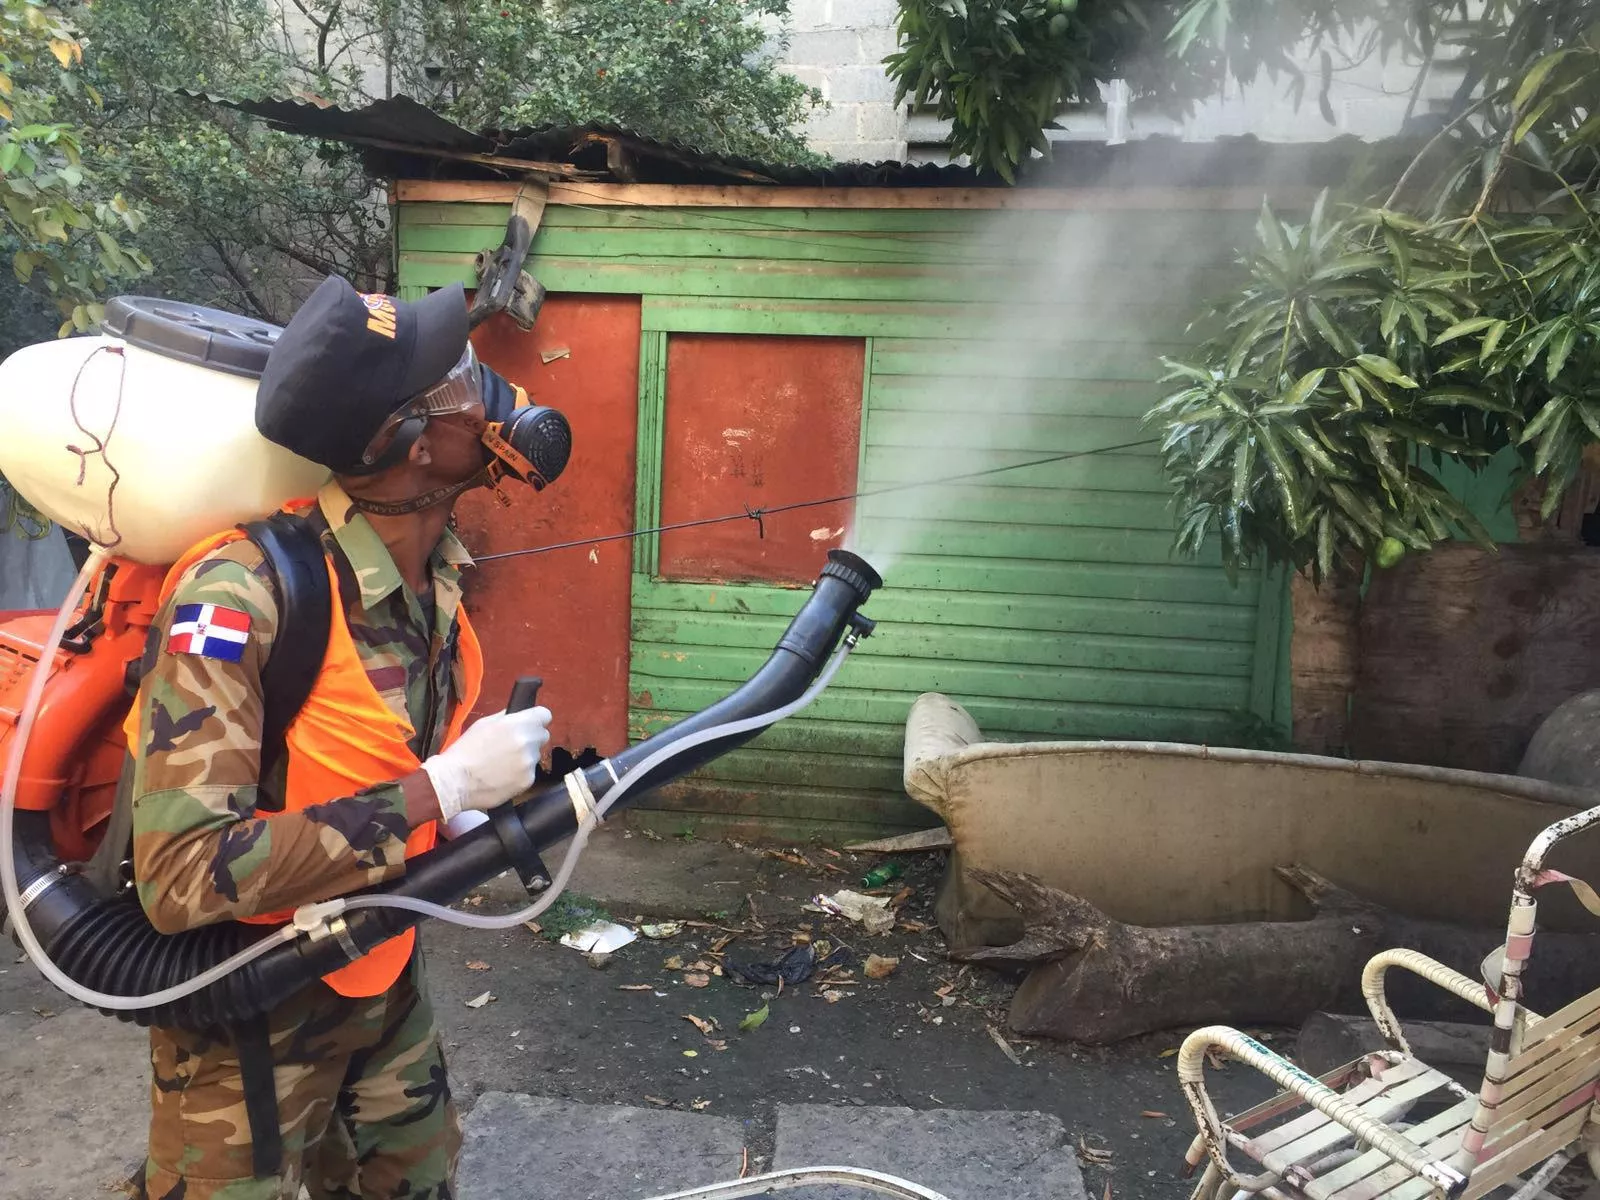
(1589, 414)
(1307, 445)
(1546, 415)
(1385, 370)
(1534, 79)
(1243, 461)
(1325, 544)
(1449, 397)
(1303, 387)
(1560, 348)
(1283, 474)
(1361, 510)
(1462, 328)
(753, 1020)
(1491, 340)
(10, 152)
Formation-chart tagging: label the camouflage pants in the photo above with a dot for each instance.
(364, 1106)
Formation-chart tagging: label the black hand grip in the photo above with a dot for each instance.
(519, 847)
(524, 693)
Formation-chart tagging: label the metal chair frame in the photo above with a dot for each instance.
(1536, 1107)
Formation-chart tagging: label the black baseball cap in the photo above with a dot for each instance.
(346, 362)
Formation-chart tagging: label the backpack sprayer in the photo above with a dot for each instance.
(143, 439)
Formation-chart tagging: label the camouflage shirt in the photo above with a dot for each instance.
(201, 854)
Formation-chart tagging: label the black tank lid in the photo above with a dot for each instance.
(207, 337)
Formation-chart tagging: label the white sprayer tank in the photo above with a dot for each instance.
(143, 438)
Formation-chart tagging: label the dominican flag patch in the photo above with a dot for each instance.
(210, 631)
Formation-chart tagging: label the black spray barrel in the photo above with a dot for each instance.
(108, 945)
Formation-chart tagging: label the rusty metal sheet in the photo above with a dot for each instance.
(564, 615)
(754, 421)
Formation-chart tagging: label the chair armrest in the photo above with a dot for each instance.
(1191, 1075)
(1472, 991)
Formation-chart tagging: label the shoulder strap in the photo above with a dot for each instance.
(299, 570)
(292, 546)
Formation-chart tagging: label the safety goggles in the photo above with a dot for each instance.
(461, 390)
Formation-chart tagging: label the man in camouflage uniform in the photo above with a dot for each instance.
(362, 1100)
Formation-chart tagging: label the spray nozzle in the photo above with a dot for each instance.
(860, 627)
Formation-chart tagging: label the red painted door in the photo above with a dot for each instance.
(564, 615)
(755, 420)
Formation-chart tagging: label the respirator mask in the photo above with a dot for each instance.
(522, 440)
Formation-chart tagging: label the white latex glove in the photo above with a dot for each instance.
(491, 762)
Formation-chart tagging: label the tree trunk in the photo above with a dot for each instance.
(1097, 980)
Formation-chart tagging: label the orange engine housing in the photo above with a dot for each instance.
(76, 748)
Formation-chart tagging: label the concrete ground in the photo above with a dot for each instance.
(583, 1081)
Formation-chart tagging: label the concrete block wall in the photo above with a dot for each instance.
(838, 46)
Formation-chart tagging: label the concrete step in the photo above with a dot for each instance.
(522, 1147)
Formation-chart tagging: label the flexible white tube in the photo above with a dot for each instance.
(580, 837)
(287, 933)
(8, 865)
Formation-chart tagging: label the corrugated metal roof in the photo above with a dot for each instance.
(400, 138)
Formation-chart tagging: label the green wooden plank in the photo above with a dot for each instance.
(1264, 677)
(681, 805)
(962, 644)
(1214, 235)
(825, 770)
(1198, 585)
(950, 393)
(656, 667)
(974, 260)
(824, 318)
(937, 610)
(938, 535)
(1000, 720)
(1136, 471)
(982, 363)
(647, 455)
(1026, 506)
(990, 427)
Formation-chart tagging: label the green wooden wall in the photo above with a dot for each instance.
(1046, 600)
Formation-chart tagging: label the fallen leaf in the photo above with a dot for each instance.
(832, 853)
(1108, 1190)
(1005, 1046)
(700, 964)
(878, 967)
(1091, 1154)
(704, 1026)
(1152, 1114)
(716, 1044)
(474, 901)
(787, 857)
(476, 965)
(636, 987)
(833, 995)
(481, 1000)
(717, 971)
(900, 897)
(753, 1020)
(1215, 1061)
(675, 963)
(801, 937)
(659, 1101)
(722, 943)
(664, 929)
(696, 979)
(691, 1054)
(1168, 1052)
(700, 1105)
(533, 927)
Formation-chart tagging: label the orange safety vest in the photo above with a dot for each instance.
(346, 738)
